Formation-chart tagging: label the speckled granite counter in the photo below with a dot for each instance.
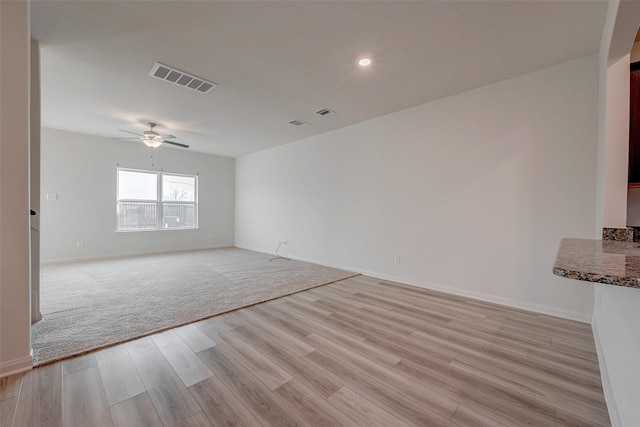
(602, 261)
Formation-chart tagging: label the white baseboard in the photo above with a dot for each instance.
(612, 407)
(129, 254)
(16, 366)
(538, 308)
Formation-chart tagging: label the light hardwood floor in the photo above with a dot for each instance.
(356, 352)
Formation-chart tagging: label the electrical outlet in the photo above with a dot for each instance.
(397, 259)
(80, 244)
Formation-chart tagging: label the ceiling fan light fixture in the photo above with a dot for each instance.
(152, 142)
(153, 139)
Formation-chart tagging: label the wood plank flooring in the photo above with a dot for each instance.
(356, 352)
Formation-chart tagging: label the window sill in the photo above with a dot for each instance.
(158, 230)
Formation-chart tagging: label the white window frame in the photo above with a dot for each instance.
(158, 201)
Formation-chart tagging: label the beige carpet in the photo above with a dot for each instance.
(89, 305)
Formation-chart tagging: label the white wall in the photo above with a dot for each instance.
(474, 192)
(613, 114)
(34, 178)
(14, 188)
(616, 134)
(635, 52)
(616, 315)
(633, 207)
(616, 320)
(81, 170)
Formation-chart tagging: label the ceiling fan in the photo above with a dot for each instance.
(153, 139)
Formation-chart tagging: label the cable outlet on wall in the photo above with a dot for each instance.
(80, 244)
(396, 259)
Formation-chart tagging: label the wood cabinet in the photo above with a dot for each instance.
(634, 124)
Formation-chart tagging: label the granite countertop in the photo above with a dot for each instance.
(602, 261)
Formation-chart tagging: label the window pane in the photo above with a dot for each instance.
(137, 185)
(179, 215)
(178, 188)
(137, 216)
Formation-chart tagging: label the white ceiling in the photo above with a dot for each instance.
(278, 61)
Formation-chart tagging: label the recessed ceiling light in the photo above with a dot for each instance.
(364, 62)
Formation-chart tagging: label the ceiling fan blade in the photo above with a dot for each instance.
(176, 143)
(169, 137)
(128, 138)
(133, 133)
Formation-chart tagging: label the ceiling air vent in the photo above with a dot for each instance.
(299, 123)
(180, 78)
(325, 112)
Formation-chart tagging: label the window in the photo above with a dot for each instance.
(156, 200)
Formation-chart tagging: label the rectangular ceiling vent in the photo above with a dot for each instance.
(325, 112)
(180, 78)
(299, 123)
